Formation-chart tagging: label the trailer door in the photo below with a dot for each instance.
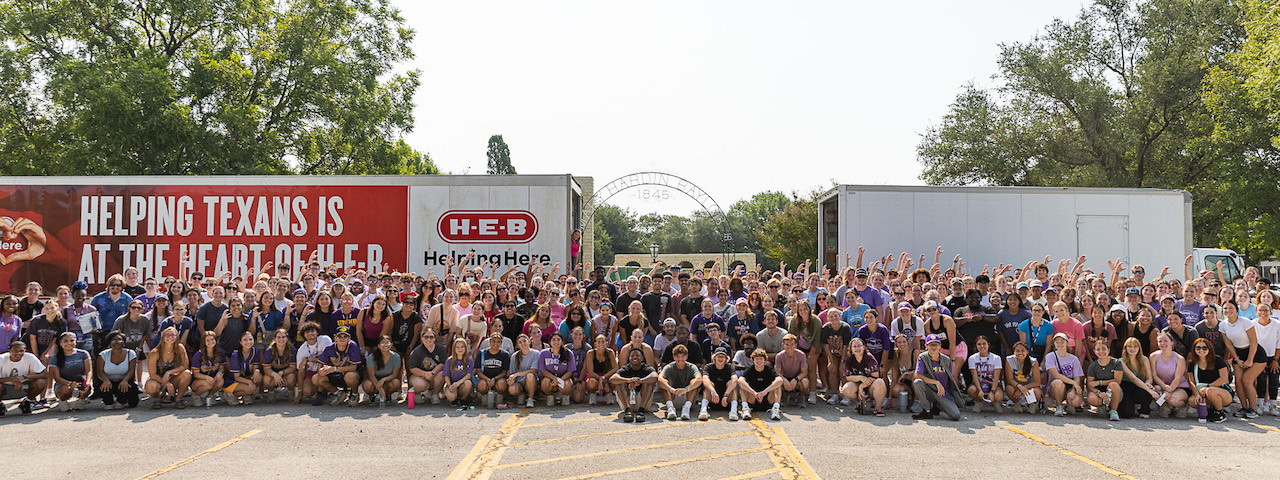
(1103, 237)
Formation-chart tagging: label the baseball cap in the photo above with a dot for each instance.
(1050, 289)
(1061, 335)
(957, 281)
(669, 321)
(1022, 285)
(721, 351)
(930, 304)
(633, 279)
(932, 338)
(1036, 283)
(861, 272)
(300, 291)
(1132, 291)
(1116, 307)
(1168, 297)
(343, 331)
(904, 306)
(357, 281)
(741, 301)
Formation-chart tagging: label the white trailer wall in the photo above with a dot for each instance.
(1014, 225)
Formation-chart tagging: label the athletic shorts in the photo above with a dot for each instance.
(336, 379)
(1259, 356)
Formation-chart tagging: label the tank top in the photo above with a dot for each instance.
(941, 332)
(163, 365)
(1165, 371)
(372, 330)
(601, 367)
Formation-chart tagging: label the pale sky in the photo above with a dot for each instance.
(738, 97)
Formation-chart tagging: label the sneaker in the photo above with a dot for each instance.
(1114, 416)
(1071, 410)
(671, 414)
(703, 415)
(529, 402)
(551, 400)
(1058, 411)
(353, 399)
(923, 415)
(813, 398)
(230, 399)
(340, 398)
(1180, 412)
(746, 412)
(684, 417)
(775, 413)
(733, 415)
(916, 407)
(1017, 408)
(1251, 413)
(65, 405)
(565, 400)
(1238, 413)
(879, 412)
(976, 408)
(591, 399)
(435, 399)
(317, 399)
(248, 400)
(845, 402)
(999, 407)
(1218, 416)
(26, 406)
(627, 417)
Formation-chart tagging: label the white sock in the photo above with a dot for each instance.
(685, 410)
(704, 404)
(733, 406)
(670, 407)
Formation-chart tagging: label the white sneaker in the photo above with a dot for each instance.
(703, 415)
(977, 408)
(813, 398)
(565, 400)
(775, 413)
(551, 400)
(1058, 412)
(435, 399)
(65, 405)
(230, 399)
(746, 412)
(591, 399)
(340, 398)
(529, 402)
(733, 415)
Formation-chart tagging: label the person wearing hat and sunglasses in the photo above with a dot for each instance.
(340, 370)
(933, 385)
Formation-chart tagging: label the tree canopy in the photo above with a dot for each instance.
(499, 157)
(99, 87)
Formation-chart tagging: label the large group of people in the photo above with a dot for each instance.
(684, 342)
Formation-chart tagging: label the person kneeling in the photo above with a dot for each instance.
(1104, 384)
(933, 385)
(634, 382)
(338, 371)
(680, 382)
(862, 379)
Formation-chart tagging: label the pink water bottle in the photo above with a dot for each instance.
(412, 395)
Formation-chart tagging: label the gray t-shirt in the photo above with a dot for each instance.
(679, 377)
(72, 367)
(1110, 371)
(387, 369)
(770, 343)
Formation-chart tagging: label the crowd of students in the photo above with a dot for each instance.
(875, 338)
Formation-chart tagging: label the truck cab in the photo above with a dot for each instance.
(1208, 258)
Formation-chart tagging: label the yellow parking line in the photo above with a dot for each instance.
(1072, 454)
(666, 464)
(599, 434)
(776, 455)
(755, 474)
(1264, 427)
(610, 452)
(803, 465)
(200, 455)
(576, 420)
(488, 449)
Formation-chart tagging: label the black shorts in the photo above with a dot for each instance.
(336, 379)
(1259, 356)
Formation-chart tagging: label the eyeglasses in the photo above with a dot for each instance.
(116, 285)
(135, 307)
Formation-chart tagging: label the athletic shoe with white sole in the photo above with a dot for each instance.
(775, 413)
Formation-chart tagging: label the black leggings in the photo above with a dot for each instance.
(1268, 383)
(128, 397)
(1135, 400)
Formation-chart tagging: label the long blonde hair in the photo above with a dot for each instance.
(1134, 362)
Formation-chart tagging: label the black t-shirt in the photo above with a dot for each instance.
(695, 352)
(627, 372)
(654, 306)
(402, 330)
(954, 303)
(970, 331)
(719, 376)
(836, 337)
(691, 306)
(512, 327)
(28, 310)
(45, 332)
(624, 301)
(210, 315)
(1203, 330)
(135, 290)
(759, 379)
(493, 364)
(613, 291)
(1209, 376)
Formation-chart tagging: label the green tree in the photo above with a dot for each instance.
(499, 157)
(746, 217)
(1112, 98)
(618, 226)
(791, 236)
(102, 87)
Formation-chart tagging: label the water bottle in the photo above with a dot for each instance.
(412, 397)
(1202, 411)
(631, 398)
(902, 402)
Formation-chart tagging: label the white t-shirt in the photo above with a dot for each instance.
(985, 366)
(306, 351)
(1268, 336)
(26, 365)
(1237, 333)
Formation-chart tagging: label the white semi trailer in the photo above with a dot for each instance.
(1015, 225)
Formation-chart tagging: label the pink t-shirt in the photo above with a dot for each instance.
(790, 366)
(1072, 327)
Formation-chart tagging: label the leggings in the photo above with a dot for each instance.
(1268, 383)
(129, 397)
(929, 398)
(1135, 400)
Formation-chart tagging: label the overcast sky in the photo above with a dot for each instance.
(738, 97)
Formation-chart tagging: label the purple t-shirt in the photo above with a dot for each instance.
(458, 368)
(1067, 364)
(939, 373)
(557, 364)
(334, 358)
(698, 325)
(1191, 314)
(246, 365)
(870, 296)
(875, 341)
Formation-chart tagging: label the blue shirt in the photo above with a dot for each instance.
(109, 311)
(853, 317)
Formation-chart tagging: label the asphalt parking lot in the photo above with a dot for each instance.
(436, 441)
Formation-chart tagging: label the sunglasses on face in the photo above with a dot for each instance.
(1202, 349)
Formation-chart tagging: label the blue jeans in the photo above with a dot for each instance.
(928, 396)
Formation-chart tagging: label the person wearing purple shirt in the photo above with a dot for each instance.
(698, 325)
(556, 365)
(933, 385)
(875, 337)
(10, 322)
(458, 373)
(340, 370)
(1192, 311)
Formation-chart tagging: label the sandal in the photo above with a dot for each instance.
(503, 406)
(180, 405)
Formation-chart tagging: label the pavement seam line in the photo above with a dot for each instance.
(610, 452)
(1264, 427)
(575, 420)
(1072, 454)
(806, 471)
(599, 434)
(200, 455)
(755, 474)
(473, 465)
(777, 455)
(667, 463)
